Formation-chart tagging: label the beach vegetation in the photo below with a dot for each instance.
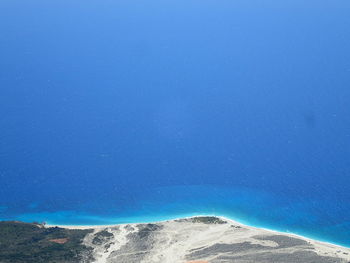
(34, 243)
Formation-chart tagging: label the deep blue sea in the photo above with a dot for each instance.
(132, 111)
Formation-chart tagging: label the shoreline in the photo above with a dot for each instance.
(232, 221)
(184, 239)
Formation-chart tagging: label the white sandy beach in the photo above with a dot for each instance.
(177, 241)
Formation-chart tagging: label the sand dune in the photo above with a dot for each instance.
(206, 240)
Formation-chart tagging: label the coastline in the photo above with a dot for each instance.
(232, 221)
(183, 240)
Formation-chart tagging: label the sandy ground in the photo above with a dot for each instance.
(193, 241)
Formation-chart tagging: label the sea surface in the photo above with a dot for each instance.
(116, 111)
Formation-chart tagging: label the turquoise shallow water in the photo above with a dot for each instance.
(129, 111)
(247, 206)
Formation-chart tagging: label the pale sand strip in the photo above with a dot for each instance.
(211, 234)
